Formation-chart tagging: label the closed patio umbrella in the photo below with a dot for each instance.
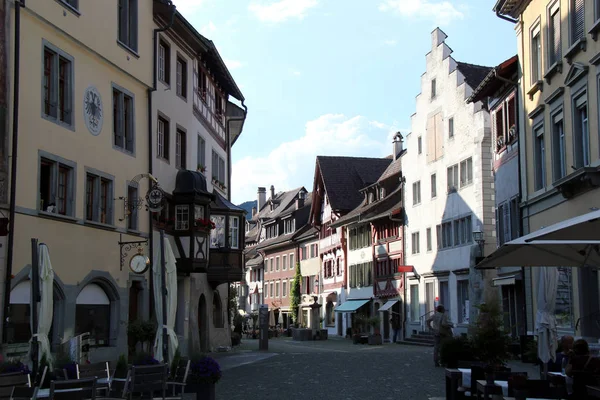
(545, 320)
(171, 280)
(46, 305)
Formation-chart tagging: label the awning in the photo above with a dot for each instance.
(583, 228)
(351, 306)
(388, 305)
(505, 280)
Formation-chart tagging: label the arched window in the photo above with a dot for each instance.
(217, 311)
(92, 314)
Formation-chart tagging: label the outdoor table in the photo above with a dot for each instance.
(45, 393)
(593, 391)
(498, 387)
(452, 377)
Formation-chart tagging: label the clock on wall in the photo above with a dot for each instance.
(93, 112)
(139, 263)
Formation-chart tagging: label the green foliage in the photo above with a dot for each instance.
(295, 293)
(360, 322)
(374, 321)
(232, 304)
(122, 367)
(491, 343)
(141, 331)
(454, 349)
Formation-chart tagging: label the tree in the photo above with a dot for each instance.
(295, 293)
(232, 304)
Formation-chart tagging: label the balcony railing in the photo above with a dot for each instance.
(329, 241)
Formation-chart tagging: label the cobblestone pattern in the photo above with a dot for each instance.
(333, 369)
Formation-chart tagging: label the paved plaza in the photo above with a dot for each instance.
(332, 369)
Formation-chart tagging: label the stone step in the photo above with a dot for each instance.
(409, 342)
(424, 337)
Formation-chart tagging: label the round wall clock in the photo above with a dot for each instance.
(139, 263)
(93, 112)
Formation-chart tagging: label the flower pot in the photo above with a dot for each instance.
(204, 391)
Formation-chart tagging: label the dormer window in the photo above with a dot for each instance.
(381, 193)
(371, 197)
(301, 194)
(289, 226)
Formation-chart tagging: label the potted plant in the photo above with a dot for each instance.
(455, 349)
(204, 373)
(375, 338)
(121, 367)
(491, 343)
(201, 168)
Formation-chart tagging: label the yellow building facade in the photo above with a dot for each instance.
(559, 86)
(85, 71)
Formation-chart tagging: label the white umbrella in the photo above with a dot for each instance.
(541, 253)
(45, 307)
(171, 277)
(545, 321)
(583, 227)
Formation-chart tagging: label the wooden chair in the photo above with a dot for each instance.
(100, 371)
(8, 382)
(24, 393)
(73, 389)
(149, 379)
(177, 383)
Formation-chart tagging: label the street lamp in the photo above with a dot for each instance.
(479, 239)
(192, 221)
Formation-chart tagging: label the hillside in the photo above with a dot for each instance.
(247, 205)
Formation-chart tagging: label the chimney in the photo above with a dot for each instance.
(398, 145)
(262, 198)
(272, 192)
(253, 211)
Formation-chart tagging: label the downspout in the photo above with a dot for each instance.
(243, 119)
(13, 166)
(150, 119)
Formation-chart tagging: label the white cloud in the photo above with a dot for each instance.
(233, 64)
(390, 42)
(188, 7)
(207, 30)
(292, 163)
(295, 72)
(282, 10)
(441, 12)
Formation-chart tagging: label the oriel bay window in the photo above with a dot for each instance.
(361, 275)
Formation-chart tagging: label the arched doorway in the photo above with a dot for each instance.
(203, 324)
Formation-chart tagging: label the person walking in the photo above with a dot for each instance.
(395, 322)
(441, 325)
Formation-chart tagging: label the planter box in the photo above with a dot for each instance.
(375, 340)
(301, 334)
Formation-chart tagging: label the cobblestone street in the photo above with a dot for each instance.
(333, 369)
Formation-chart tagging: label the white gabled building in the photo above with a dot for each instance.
(449, 190)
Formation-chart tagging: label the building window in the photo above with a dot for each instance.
(419, 145)
(462, 294)
(596, 10)
(554, 48)
(182, 217)
(466, 172)
(123, 120)
(284, 263)
(539, 157)
(271, 289)
(451, 128)
(162, 138)
(581, 137)
(276, 289)
(180, 149)
(73, 3)
(507, 221)
(452, 173)
(360, 237)
(217, 235)
(58, 86)
(128, 23)
(559, 152)
(234, 232)
(577, 17)
(98, 199)
(414, 303)
(57, 187)
(132, 217)
(433, 186)
(164, 62)
(564, 298)
(92, 314)
(428, 236)
(218, 167)
(289, 225)
(276, 263)
(361, 275)
(218, 319)
(284, 288)
(416, 193)
(433, 88)
(416, 246)
(201, 153)
(292, 263)
(181, 78)
(536, 54)
(219, 106)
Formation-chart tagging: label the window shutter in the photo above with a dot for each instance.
(439, 135)
(556, 34)
(578, 20)
(506, 217)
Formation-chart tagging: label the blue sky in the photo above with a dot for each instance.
(333, 77)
